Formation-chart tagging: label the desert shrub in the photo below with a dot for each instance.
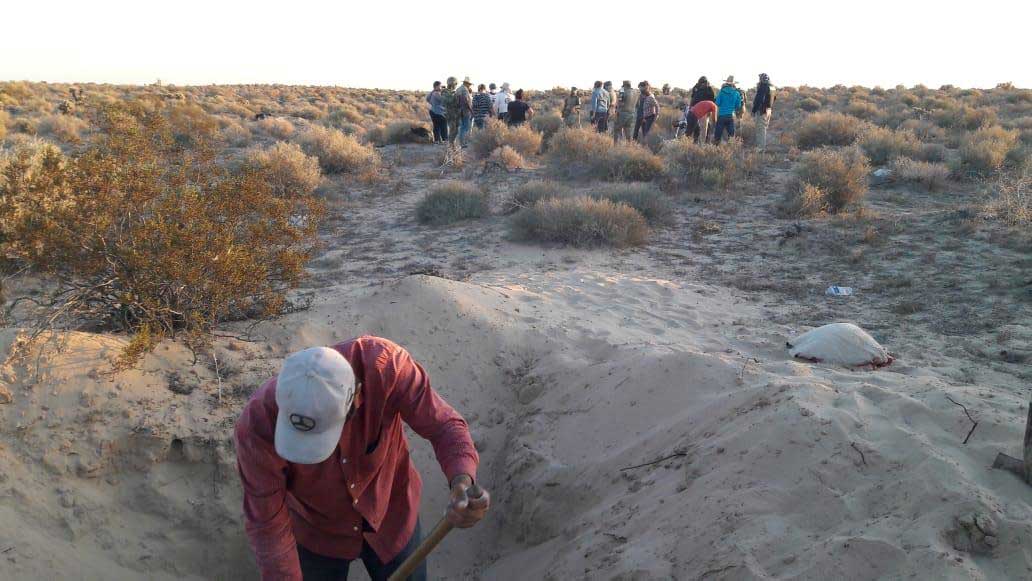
(883, 145)
(576, 150)
(987, 149)
(828, 128)
(652, 204)
(712, 166)
(1010, 199)
(810, 104)
(5, 119)
(276, 127)
(236, 134)
(924, 130)
(931, 176)
(909, 100)
(965, 117)
(581, 221)
(339, 153)
(143, 234)
(191, 124)
(528, 194)
(452, 202)
(630, 162)
(495, 134)
(396, 132)
(63, 128)
(507, 158)
(547, 124)
(338, 117)
(931, 152)
(828, 180)
(289, 171)
(861, 109)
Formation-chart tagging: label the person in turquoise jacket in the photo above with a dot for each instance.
(729, 100)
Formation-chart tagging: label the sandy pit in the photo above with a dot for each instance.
(636, 421)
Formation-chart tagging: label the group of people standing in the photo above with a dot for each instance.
(455, 110)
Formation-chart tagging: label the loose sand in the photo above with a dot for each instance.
(571, 367)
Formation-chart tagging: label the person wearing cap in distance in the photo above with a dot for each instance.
(325, 466)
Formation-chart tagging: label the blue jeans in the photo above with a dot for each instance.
(725, 122)
(316, 567)
(465, 124)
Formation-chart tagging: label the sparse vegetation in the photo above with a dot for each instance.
(713, 166)
(581, 221)
(289, 171)
(452, 202)
(828, 128)
(828, 180)
(495, 134)
(528, 194)
(652, 204)
(930, 176)
(276, 127)
(507, 158)
(142, 234)
(987, 149)
(630, 162)
(339, 153)
(397, 132)
(884, 145)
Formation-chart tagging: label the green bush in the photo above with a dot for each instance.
(451, 202)
(581, 221)
(827, 128)
(828, 180)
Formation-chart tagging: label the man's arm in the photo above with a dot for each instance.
(265, 513)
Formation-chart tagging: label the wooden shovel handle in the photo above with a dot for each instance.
(429, 543)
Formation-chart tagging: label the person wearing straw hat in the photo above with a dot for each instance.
(728, 101)
(325, 465)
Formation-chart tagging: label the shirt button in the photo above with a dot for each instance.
(352, 485)
(343, 460)
(355, 501)
(355, 528)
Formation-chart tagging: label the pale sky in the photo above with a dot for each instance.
(529, 43)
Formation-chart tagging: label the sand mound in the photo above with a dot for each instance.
(630, 428)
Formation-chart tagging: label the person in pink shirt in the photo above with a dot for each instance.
(698, 117)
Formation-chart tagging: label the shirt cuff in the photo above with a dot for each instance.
(460, 465)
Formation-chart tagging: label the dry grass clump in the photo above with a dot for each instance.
(652, 204)
(276, 127)
(529, 193)
(289, 171)
(142, 234)
(987, 149)
(931, 176)
(507, 158)
(1011, 200)
(236, 134)
(810, 104)
(4, 120)
(580, 152)
(965, 117)
(713, 166)
(629, 162)
(827, 180)
(884, 145)
(576, 150)
(828, 128)
(451, 202)
(862, 109)
(495, 134)
(931, 152)
(581, 221)
(397, 132)
(547, 124)
(63, 128)
(339, 153)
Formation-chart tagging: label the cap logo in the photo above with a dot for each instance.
(302, 423)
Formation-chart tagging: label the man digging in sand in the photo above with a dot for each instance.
(325, 464)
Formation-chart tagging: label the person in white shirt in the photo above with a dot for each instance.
(501, 102)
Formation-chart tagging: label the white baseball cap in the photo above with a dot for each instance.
(314, 392)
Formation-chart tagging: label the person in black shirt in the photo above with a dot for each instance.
(520, 111)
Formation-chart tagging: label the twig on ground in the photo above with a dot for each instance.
(8, 549)
(974, 423)
(857, 448)
(674, 455)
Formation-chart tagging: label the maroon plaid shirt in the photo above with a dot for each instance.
(369, 477)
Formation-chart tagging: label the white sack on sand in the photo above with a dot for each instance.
(841, 343)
